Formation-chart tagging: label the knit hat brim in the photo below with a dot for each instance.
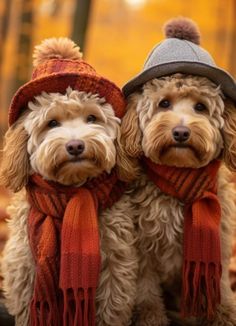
(58, 83)
(216, 75)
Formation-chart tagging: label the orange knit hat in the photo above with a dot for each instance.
(57, 65)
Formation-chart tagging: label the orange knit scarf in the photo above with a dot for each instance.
(64, 239)
(197, 189)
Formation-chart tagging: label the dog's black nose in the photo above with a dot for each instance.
(181, 133)
(75, 147)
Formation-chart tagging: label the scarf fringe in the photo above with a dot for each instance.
(44, 313)
(79, 307)
(201, 289)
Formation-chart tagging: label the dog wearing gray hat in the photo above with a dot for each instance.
(180, 136)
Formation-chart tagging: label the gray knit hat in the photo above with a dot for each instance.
(181, 53)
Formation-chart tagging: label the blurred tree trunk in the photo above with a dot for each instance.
(4, 24)
(24, 43)
(80, 22)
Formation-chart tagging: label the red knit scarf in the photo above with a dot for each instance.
(197, 189)
(64, 239)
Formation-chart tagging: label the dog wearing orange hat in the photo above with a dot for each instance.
(180, 135)
(70, 258)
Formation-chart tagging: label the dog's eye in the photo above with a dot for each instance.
(91, 118)
(53, 124)
(164, 104)
(200, 107)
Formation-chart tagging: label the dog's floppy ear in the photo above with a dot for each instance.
(129, 147)
(14, 165)
(229, 134)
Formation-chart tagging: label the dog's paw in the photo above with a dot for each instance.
(152, 318)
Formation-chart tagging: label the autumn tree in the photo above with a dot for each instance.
(80, 22)
(24, 43)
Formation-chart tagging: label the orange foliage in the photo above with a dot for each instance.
(121, 34)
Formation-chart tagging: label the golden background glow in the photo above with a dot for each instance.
(122, 32)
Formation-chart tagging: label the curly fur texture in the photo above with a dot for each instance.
(147, 129)
(33, 144)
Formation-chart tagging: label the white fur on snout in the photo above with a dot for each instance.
(184, 109)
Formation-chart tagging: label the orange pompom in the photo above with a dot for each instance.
(56, 48)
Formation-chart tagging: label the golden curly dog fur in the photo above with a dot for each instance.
(163, 104)
(37, 143)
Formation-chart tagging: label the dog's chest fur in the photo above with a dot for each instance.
(159, 223)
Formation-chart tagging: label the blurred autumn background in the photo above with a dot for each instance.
(115, 36)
